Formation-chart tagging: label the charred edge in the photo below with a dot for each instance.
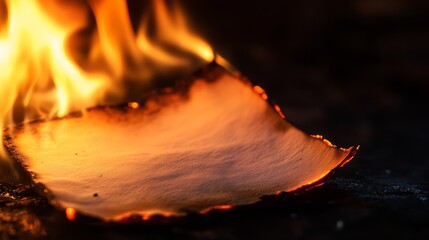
(19, 163)
(210, 73)
(216, 208)
(28, 176)
(321, 181)
(39, 188)
(214, 71)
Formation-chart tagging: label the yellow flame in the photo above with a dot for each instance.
(173, 29)
(62, 56)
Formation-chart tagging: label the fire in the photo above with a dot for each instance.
(57, 57)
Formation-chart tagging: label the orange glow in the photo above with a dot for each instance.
(261, 92)
(353, 151)
(312, 183)
(219, 207)
(279, 111)
(317, 179)
(226, 64)
(46, 73)
(133, 105)
(317, 182)
(320, 137)
(264, 96)
(327, 142)
(258, 89)
(71, 214)
(317, 185)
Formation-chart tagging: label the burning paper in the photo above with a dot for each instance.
(217, 143)
(210, 142)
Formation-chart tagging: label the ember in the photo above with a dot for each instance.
(71, 214)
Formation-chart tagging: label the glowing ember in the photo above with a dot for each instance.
(216, 144)
(220, 207)
(71, 214)
(133, 105)
(261, 92)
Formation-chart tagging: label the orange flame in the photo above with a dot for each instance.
(62, 56)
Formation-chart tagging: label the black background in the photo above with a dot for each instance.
(356, 72)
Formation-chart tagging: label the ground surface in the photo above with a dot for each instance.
(356, 72)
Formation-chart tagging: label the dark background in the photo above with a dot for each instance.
(356, 72)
